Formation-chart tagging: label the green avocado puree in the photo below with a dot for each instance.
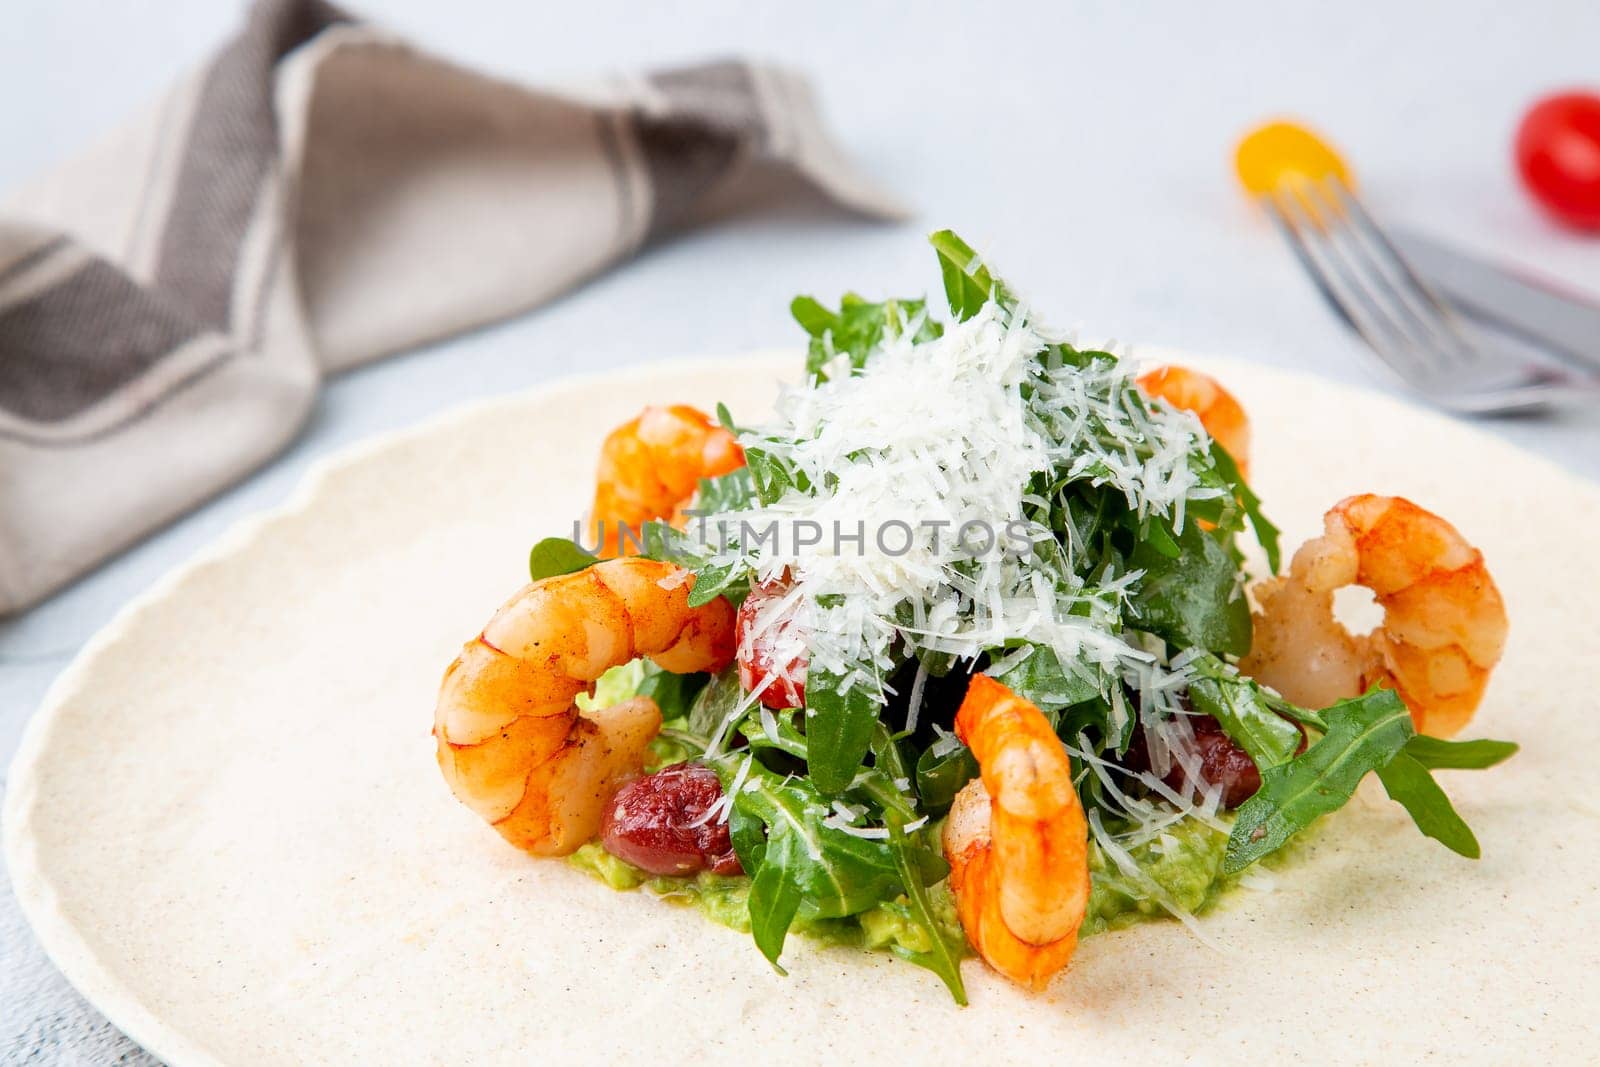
(1183, 866)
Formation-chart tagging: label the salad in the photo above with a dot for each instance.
(956, 654)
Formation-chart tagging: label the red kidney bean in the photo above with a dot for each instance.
(1222, 762)
(657, 823)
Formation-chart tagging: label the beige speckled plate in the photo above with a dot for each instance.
(227, 827)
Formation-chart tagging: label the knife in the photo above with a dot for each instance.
(1536, 312)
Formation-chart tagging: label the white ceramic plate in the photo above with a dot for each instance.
(228, 830)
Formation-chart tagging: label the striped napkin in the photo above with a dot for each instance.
(318, 195)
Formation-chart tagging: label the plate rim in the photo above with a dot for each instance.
(70, 951)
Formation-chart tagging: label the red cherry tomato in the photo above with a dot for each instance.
(772, 662)
(1558, 153)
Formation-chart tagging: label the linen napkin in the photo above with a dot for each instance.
(317, 195)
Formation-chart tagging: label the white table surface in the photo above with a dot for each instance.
(1084, 147)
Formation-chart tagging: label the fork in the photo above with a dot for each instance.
(1416, 335)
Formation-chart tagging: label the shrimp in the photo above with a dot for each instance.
(1218, 411)
(512, 743)
(650, 468)
(1016, 839)
(1443, 628)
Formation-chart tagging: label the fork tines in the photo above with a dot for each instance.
(1368, 283)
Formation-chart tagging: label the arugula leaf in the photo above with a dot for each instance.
(557, 555)
(719, 579)
(839, 874)
(857, 328)
(659, 541)
(1266, 533)
(940, 778)
(1363, 734)
(889, 762)
(1159, 536)
(720, 698)
(839, 726)
(1244, 712)
(937, 664)
(815, 319)
(1040, 677)
(674, 694)
(796, 863)
(945, 959)
(1194, 600)
(1409, 784)
(1432, 752)
(967, 282)
(785, 738)
(775, 895)
(734, 491)
(730, 578)
(771, 475)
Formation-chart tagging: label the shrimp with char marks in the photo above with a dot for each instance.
(650, 468)
(1443, 629)
(1016, 839)
(512, 743)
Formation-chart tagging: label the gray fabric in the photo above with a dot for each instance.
(81, 340)
(713, 115)
(232, 141)
(316, 196)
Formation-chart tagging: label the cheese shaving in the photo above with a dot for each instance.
(888, 465)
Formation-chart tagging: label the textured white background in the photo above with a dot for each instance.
(1083, 147)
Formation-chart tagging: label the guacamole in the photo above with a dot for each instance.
(1184, 864)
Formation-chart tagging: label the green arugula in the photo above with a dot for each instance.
(1409, 784)
(1369, 734)
(839, 724)
(1266, 533)
(1244, 711)
(967, 282)
(557, 555)
(940, 777)
(731, 492)
(720, 698)
(1363, 734)
(945, 958)
(1437, 754)
(796, 862)
(674, 694)
(857, 328)
(1038, 676)
(1193, 598)
(775, 894)
(712, 580)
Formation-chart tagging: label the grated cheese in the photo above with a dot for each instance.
(925, 439)
(935, 435)
(944, 742)
(723, 805)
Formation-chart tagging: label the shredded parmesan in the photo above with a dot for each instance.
(944, 742)
(891, 462)
(844, 819)
(914, 703)
(886, 465)
(723, 805)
